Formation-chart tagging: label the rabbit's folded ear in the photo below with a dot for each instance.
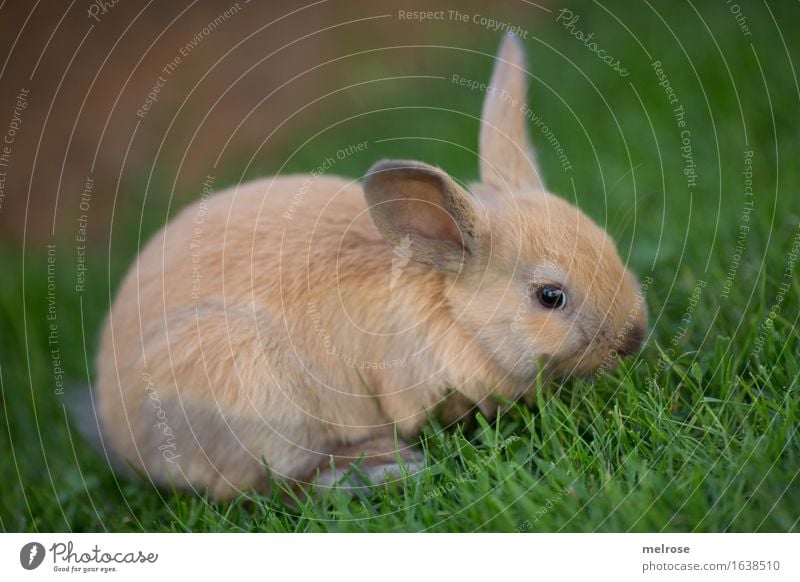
(420, 209)
(508, 161)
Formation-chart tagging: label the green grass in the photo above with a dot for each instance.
(700, 433)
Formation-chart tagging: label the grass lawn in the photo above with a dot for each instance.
(699, 433)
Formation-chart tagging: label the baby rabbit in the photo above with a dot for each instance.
(264, 331)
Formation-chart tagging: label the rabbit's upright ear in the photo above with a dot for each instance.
(420, 210)
(508, 161)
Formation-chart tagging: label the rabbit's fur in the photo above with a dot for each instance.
(247, 337)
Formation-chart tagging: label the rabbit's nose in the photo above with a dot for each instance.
(633, 341)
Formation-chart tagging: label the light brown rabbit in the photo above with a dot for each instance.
(266, 331)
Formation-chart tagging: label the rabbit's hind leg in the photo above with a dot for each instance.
(376, 461)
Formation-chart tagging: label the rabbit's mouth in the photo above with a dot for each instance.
(603, 353)
(589, 363)
(550, 367)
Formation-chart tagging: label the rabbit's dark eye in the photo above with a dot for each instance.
(552, 297)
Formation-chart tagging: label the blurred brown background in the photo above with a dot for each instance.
(88, 68)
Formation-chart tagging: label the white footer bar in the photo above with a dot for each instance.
(389, 557)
